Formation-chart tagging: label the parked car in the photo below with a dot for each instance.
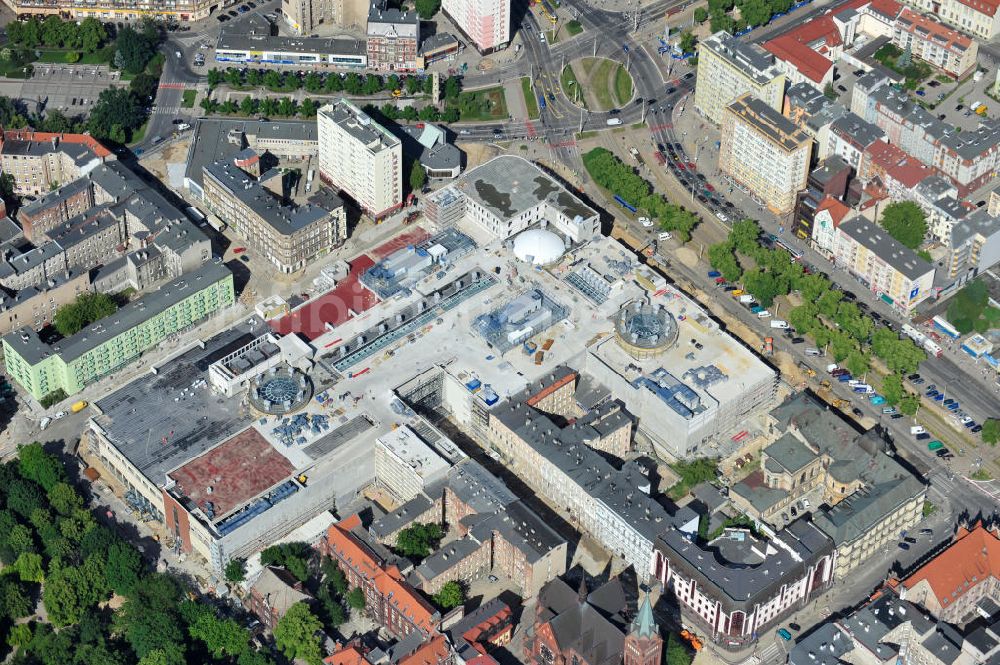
(904, 546)
(977, 429)
(784, 634)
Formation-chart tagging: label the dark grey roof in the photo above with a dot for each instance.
(823, 646)
(84, 226)
(737, 584)
(285, 219)
(446, 557)
(520, 526)
(343, 46)
(861, 132)
(750, 59)
(710, 496)
(979, 222)
(477, 487)
(401, 517)
(768, 122)
(790, 453)
(55, 197)
(569, 449)
(877, 240)
(137, 416)
(437, 41)
(596, 632)
(27, 343)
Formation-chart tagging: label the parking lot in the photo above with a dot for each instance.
(70, 88)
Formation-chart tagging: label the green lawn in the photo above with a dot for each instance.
(553, 36)
(623, 86)
(600, 84)
(483, 105)
(139, 134)
(574, 28)
(571, 86)
(188, 101)
(58, 56)
(529, 98)
(586, 135)
(14, 70)
(916, 72)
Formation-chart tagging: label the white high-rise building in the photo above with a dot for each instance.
(360, 157)
(485, 22)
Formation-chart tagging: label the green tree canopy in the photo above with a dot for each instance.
(418, 540)
(905, 221)
(451, 595)
(236, 570)
(418, 176)
(991, 431)
(426, 9)
(356, 599)
(86, 309)
(296, 634)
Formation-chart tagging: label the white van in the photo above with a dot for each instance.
(764, 314)
(813, 352)
(664, 236)
(614, 121)
(44, 423)
(778, 323)
(917, 429)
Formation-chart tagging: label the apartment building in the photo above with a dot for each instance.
(968, 158)
(806, 53)
(957, 579)
(36, 306)
(893, 271)
(305, 16)
(611, 505)
(390, 601)
(765, 152)
(289, 236)
(729, 68)
(272, 593)
(486, 23)
(51, 209)
(103, 347)
(829, 214)
(361, 158)
(974, 246)
(938, 45)
(979, 18)
(731, 602)
(393, 39)
(41, 161)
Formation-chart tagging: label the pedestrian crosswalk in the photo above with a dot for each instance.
(166, 110)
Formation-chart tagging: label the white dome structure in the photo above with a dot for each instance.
(538, 247)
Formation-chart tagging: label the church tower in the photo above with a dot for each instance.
(643, 644)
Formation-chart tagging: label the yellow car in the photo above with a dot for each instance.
(397, 93)
(737, 293)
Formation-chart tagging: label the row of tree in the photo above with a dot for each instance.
(825, 315)
(316, 83)
(614, 175)
(54, 550)
(88, 35)
(753, 13)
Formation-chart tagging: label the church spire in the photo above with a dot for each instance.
(582, 592)
(644, 625)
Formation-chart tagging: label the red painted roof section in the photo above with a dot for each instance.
(432, 652)
(232, 473)
(350, 295)
(44, 137)
(988, 7)
(838, 210)
(388, 581)
(349, 655)
(973, 558)
(929, 29)
(889, 8)
(898, 165)
(806, 47)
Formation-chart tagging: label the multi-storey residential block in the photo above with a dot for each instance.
(974, 244)
(393, 39)
(892, 270)
(728, 68)
(390, 601)
(361, 158)
(340, 52)
(559, 463)
(41, 161)
(829, 214)
(733, 602)
(949, 50)
(764, 152)
(968, 158)
(305, 16)
(955, 581)
(806, 54)
(849, 138)
(485, 22)
(38, 217)
(36, 306)
(980, 18)
(103, 347)
(288, 236)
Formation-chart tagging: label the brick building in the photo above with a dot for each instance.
(39, 161)
(272, 594)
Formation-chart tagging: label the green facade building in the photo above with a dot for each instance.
(108, 344)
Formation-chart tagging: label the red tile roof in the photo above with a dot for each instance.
(928, 29)
(389, 581)
(349, 655)
(988, 7)
(898, 165)
(812, 65)
(432, 652)
(889, 8)
(838, 210)
(44, 137)
(971, 559)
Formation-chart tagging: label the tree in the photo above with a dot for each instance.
(124, 563)
(426, 9)
(452, 88)
(451, 595)
(356, 599)
(745, 235)
(417, 541)
(19, 636)
(14, 602)
(829, 92)
(63, 601)
(675, 653)
(248, 106)
(86, 309)
(6, 186)
(829, 303)
(857, 363)
(295, 634)
(909, 404)
(700, 15)
(418, 176)
(294, 557)
(687, 42)
(905, 221)
(28, 567)
(892, 389)
(215, 77)
(115, 115)
(222, 637)
(991, 431)
(236, 570)
(37, 465)
(308, 108)
(721, 257)
(92, 34)
(134, 49)
(149, 618)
